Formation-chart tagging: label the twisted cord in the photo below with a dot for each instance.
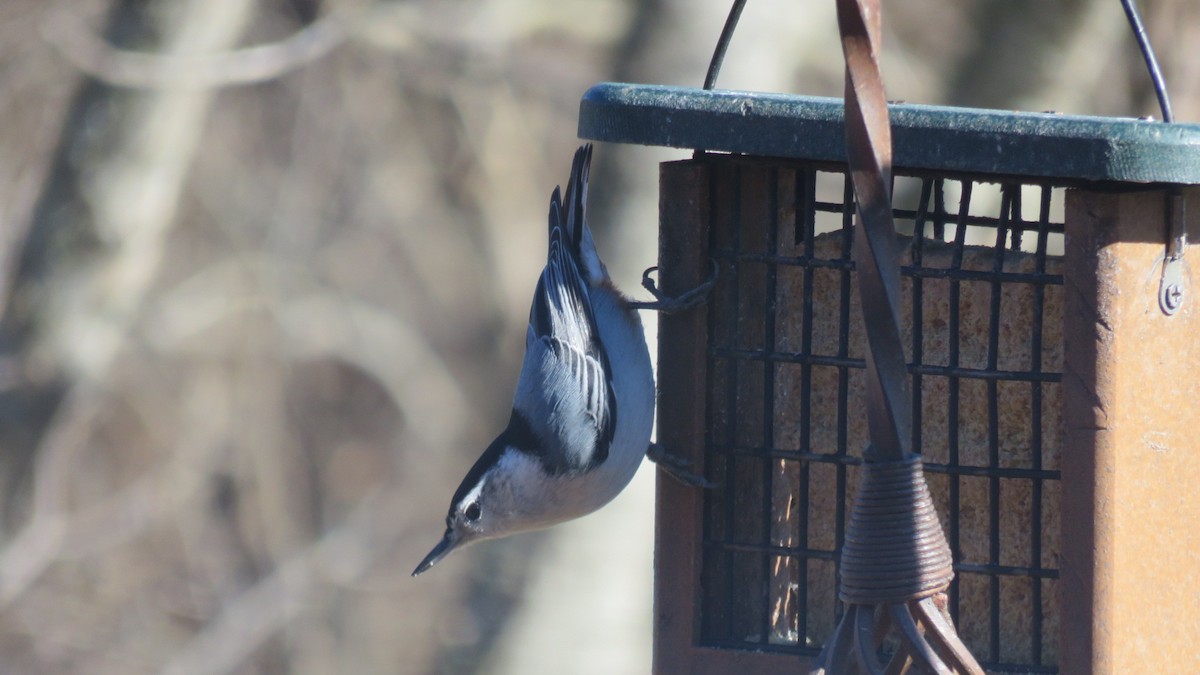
(895, 556)
(876, 259)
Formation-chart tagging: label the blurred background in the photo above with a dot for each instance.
(266, 270)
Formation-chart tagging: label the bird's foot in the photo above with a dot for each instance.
(677, 467)
(687, 300)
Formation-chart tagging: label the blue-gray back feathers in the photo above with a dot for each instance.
(565, 392)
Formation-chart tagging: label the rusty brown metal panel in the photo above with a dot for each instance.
(683, 263)
(1131, 462)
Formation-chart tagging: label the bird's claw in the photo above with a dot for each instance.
(677, 467)
(686, 300)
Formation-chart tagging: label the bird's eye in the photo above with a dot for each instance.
(472, 512)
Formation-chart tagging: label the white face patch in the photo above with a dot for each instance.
(518, 496)
(473, 495)
(509, 496)
(521, 487)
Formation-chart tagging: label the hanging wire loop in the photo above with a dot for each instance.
(718, 57)
(1171, 288)
(1143, 41)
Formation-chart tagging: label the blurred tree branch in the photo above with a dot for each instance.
(133, 207)
(192, 67)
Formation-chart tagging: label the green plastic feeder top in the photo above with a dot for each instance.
(1060, 148)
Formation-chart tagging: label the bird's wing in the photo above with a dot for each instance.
(565, 392)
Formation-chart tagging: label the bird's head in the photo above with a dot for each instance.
(465, 523)
(503, 493)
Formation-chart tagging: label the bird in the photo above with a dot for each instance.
(583, 409)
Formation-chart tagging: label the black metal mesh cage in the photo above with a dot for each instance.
(785, 431)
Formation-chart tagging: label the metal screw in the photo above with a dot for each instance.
(1173, 297)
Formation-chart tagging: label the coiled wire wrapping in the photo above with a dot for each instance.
(895, 549)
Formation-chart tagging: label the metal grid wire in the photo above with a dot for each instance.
(983, 289)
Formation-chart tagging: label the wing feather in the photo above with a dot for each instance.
(565, 390)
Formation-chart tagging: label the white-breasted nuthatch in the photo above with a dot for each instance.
(584, 405)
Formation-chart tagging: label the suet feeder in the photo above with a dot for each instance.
(1050, 319)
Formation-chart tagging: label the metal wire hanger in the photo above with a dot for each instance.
(1131, 14)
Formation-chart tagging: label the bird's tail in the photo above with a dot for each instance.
(573, 210)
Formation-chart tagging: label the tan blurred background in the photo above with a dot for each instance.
(266, 266)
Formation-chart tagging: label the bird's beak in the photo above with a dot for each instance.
(448, 543)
